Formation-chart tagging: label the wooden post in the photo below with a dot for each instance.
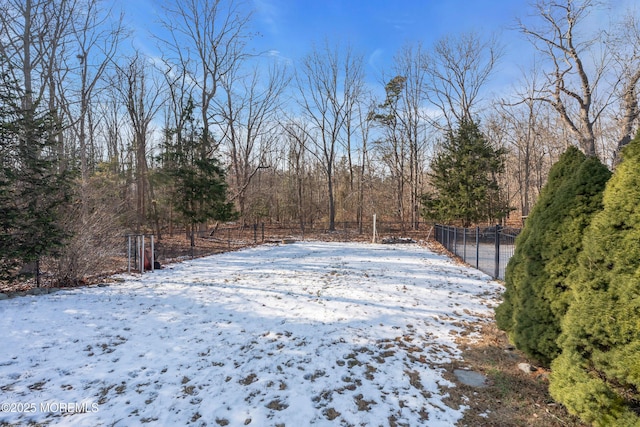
(375, 232)
(153, 261)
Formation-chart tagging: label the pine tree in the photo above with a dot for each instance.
(597, 375)
(464, 175)
(197, 184)
(32, 187)
(536, 296)
(200, 193)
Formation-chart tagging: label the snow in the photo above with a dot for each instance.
(309, 333)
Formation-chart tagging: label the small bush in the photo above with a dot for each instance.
(97, 235)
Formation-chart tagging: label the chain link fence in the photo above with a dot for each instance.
(486, 248)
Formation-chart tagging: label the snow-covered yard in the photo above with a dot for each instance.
(303, 334)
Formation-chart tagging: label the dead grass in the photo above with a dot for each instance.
(512, 397)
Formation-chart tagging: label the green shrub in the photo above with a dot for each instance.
(536, 297)
(597, 376)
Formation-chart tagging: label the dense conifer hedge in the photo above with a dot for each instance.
(536, 296)
(597, 376)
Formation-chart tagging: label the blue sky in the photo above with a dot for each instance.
(377, 29)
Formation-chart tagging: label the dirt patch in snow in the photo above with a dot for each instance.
(510, 397)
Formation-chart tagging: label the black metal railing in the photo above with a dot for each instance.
(486, 248)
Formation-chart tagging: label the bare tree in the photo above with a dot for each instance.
(18, 20)
(364, 127)
(404, 124)
(61, 48)
(179, 103)
(61, 28)
(457, 70)
(392, 145)
(297, 137)
(410, 64)
(34, 35)
(624, 45)
(327, 83)
(206, 40)
(353, 92)
(140, 92)
(249, 118)
(572, 82)
(96, 37)
(113, 127)
(522, 119)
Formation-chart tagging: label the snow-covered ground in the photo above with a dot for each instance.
(302, 334)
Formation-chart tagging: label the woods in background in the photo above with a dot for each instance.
(98, 139)
(210, 130)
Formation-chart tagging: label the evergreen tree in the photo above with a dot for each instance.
(198, 185)
(536, 296)
(597, 375)
(464, 175)
(32, 188)
(200, 193)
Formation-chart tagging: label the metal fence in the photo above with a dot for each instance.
(486, 248)
(234, 236)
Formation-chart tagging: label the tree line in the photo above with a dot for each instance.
(100, 139)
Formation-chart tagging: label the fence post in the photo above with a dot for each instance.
(455, 240)
(38, 272)
(446, 245)
(153, 256)
(445, 236)
(478, 247)
(255, 233)
(497, 268)
(451, 242)
(464, 244)
(142, 254)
